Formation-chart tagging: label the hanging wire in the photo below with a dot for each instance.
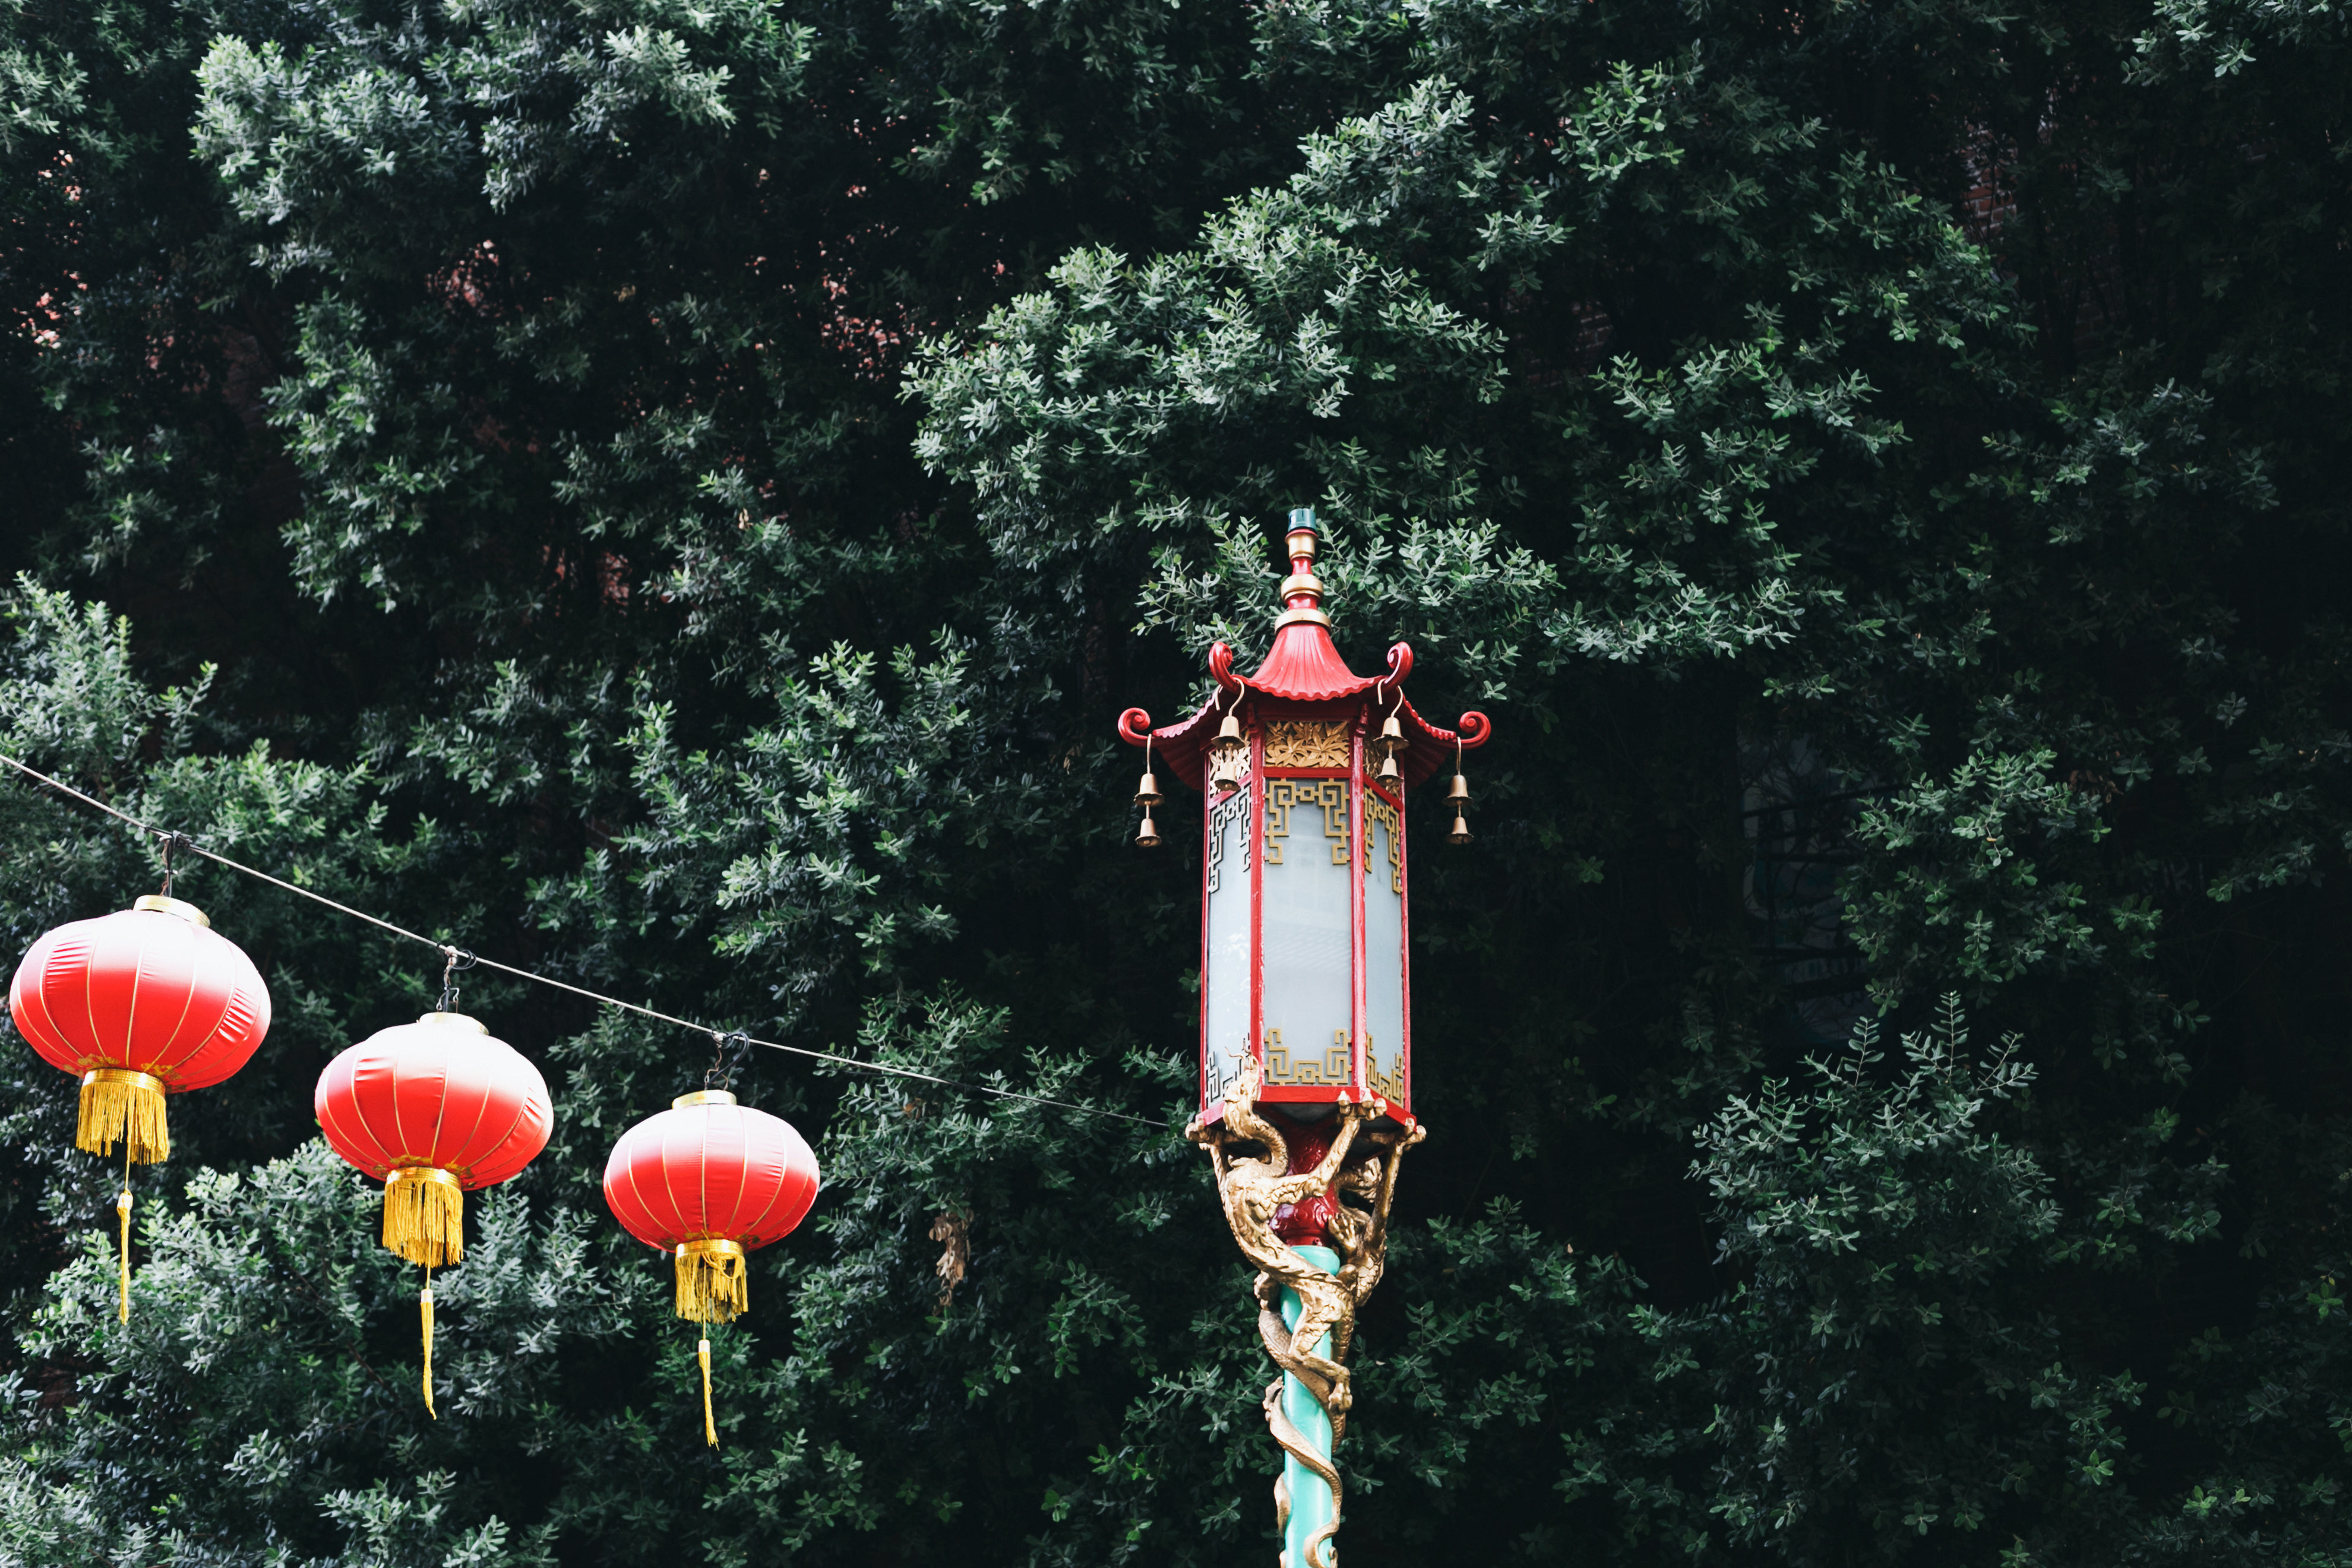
(449, 991)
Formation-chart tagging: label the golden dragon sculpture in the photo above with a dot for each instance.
(1253, 1188)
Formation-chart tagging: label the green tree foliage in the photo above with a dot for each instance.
(674, 496)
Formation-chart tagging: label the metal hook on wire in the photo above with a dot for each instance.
(457, 958)
(173, 840)
(729, 1051)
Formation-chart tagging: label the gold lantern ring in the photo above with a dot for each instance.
(156, 903)
(424, 1173)
(128, 1077)
(713, 1247)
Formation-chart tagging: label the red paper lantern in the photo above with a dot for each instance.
(708, 1181)
(145, 1002)
(434, 1109)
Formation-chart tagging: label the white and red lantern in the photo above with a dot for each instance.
(709, 1181)
(145, 1002)
(1304, 940)
(434, 1109)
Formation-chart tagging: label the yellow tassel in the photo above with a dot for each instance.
(424, 1217)
(118, 1103)
(122, 1208)
(712, 1284)
(424, 1309)
(709, 1429)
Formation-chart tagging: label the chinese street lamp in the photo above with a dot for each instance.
(1305, 1078)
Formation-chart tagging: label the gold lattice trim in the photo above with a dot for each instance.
(1223, 814)
(1337, 1065)
(1329, 795)
(1306, 743)
(1377, 810)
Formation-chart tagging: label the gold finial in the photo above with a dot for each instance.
(1302, 591)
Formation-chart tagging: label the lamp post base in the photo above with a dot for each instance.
(1307, 1294)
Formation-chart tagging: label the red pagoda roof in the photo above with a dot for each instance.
(1302, 666)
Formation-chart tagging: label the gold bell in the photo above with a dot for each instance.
(1461, 833)
(1226, 756)
(1392, 739)
(1147, 836)
(1390, 774)
(1147, 794)
(1458, 793)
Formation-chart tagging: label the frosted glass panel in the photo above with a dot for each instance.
(1308, 872)
(1384, 951)
(1225, 979)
